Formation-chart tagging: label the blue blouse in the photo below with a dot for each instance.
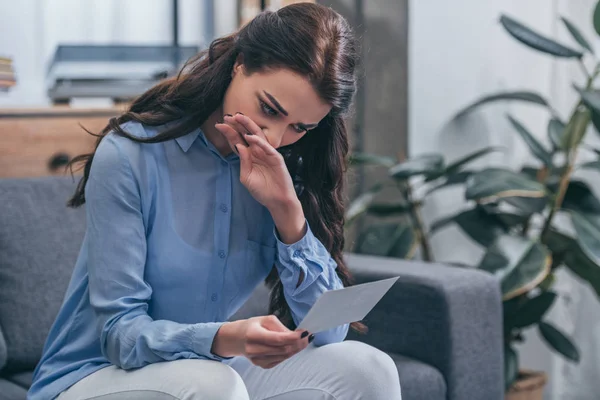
(174, 246)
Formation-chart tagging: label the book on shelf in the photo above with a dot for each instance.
(7, 74)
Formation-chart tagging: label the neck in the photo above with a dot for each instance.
(213, 135)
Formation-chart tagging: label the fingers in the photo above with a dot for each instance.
(273, 323)
(262, 350)
(231, 121)
(263, 144)
(278, 339)
(251, 132)
(269, 357)
(232, 136)
(267, 363)
(249, 125)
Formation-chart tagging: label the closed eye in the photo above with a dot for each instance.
(271, 112)
(268, 110)
(300, 129)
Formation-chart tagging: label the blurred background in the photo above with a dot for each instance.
(521, 163)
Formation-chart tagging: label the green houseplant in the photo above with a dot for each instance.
(511, 214)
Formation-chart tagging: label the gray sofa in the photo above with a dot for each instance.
(441, 324)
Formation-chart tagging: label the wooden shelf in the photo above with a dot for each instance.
(31, 137)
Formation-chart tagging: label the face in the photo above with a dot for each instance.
(282, 103)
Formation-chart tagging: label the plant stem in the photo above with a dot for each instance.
(569, 162)
(541, 177)
(584, 69)
(562, 189)
(415, 215)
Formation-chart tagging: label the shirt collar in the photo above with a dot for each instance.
(186, 141)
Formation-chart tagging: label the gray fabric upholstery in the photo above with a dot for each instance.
(3, 349)
(419, 381)
(447, 317)
(11, 391)
(39, 242)
(440, 324)
(22, 379)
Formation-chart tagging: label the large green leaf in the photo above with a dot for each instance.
(498, 182)
(596, 120)
(455, 166)
(441, 224)
(527, 205)
(597, 18)
(581, 265)
(388, 209)
(558, 341)
(556, 133)
(528, 97)
(532, 311)
(507, 219)
(576, 127)
(362, 202)
(509, 309)
(511, 366)
(519, 263)
(406, 243)
(510, 219)
(559, 243)
(577, 35)
(591, 98)
(387, 240)
(547, 175)
(454, 179)
(587, 229)
(370, 159)
(591, 165)
(426, 164)
(574, 258)
(536, 147)
(480, 226)
(579, 197)
(597, 151)
(536, 41)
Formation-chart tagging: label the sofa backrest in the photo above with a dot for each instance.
(40, 238)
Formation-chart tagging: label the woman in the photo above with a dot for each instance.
(190, 205)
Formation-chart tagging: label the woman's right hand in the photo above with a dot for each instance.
(264, 340)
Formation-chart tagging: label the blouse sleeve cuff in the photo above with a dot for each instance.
(202, 338)
(307, 255)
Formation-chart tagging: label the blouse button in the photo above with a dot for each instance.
(213, 297)
(224, 207)
(297, 253)
(222, 254)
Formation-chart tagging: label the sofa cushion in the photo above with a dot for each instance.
(23, 379)
(39, 242)
(11, 391)
(419, 381)
(3, 350)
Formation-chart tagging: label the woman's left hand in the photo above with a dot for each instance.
(262, 168)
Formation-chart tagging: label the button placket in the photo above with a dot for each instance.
(222, 228)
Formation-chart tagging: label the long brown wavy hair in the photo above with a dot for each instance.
(309, 39)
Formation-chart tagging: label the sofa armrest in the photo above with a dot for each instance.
(447, 317)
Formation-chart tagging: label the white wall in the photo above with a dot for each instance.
(458, 52)
(30, 30)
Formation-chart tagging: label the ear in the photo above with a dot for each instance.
(239, 65)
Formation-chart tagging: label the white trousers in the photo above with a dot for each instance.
(349, 370)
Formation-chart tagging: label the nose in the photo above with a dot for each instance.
(274, 135)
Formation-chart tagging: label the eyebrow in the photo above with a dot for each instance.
(284, 112)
